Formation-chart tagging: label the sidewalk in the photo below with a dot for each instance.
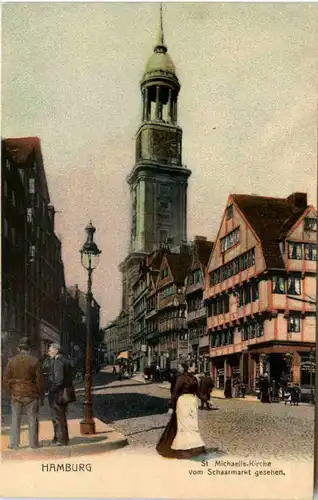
(216, 393)
(105, 439)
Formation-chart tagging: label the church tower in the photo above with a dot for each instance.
(158, 181)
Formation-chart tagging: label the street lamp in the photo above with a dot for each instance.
(89, 259)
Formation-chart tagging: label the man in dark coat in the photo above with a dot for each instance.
(24, 382)
(61, 392)
(206, 386)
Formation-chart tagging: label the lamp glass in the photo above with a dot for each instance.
(89, 260)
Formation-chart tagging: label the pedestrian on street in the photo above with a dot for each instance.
(228, 388)
(61, 393)
(264, 390)
(242, 387)
(206, 387)
(24, 382)
(181, 438)
(237, 383)
(114, 370)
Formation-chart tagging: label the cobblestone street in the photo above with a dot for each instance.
(237, 427)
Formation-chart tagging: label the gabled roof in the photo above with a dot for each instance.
(271, 219)
(22, 152)
(179, 265)
(203, 249)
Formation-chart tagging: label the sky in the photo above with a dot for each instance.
(247, 106)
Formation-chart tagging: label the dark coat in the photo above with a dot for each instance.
(206, 385)
(22, 377)
(61, 378)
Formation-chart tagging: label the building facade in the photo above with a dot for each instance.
(166, 324)
(111, 342)
(196, 310)
(261, 289)
(77, 317)
(34, 298)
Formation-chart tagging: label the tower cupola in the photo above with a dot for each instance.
(160, 85)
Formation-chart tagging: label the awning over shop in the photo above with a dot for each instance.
(123, 355)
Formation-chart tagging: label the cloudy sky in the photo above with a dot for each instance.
(248, 108)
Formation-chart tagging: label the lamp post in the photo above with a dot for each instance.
(89, 259)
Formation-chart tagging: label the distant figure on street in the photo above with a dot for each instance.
(61, 393)
(157, 373)
(173, 380)
(242, 387)
(24, 382)
(206, 386)
(236, 384)
(264, 390)
(295, 393)
(114, 370)
(228, 388)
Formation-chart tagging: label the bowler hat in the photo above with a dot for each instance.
(24, 343)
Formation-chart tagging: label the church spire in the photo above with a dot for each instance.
(160, 45)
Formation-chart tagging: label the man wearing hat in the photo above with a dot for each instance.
(23, 380)
(61, 392)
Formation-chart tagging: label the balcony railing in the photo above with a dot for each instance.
(198, 314)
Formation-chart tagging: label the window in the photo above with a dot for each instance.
(166, 292)
(310, 251)
(5, 228)
(229, 212)
(164, 273)
(310, 224)
(278, 284)
(294, 287)
(5, 189)
(295, 251)
(255, 294)
(230, 240)
(29, 215)
(13, 199)
(32, 253)
(294, 324)
(13, 235)
(31, 186)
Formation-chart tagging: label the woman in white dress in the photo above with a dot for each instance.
(181, 438)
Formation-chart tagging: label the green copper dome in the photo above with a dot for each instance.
(160, 61)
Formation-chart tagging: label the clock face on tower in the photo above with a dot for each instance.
(159, 144)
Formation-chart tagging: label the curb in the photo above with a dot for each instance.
(51, 453)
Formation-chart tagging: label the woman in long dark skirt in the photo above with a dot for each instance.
(181, 438)
(228, 388)
(264, 389)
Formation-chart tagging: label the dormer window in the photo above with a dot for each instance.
(229, 212)
(164, 273)
(310, 224)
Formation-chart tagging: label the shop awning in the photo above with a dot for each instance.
(123, 355)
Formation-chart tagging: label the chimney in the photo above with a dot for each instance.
(200, 238)
(51, 212)
(299, 200)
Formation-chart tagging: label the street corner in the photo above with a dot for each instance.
(105, 439)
